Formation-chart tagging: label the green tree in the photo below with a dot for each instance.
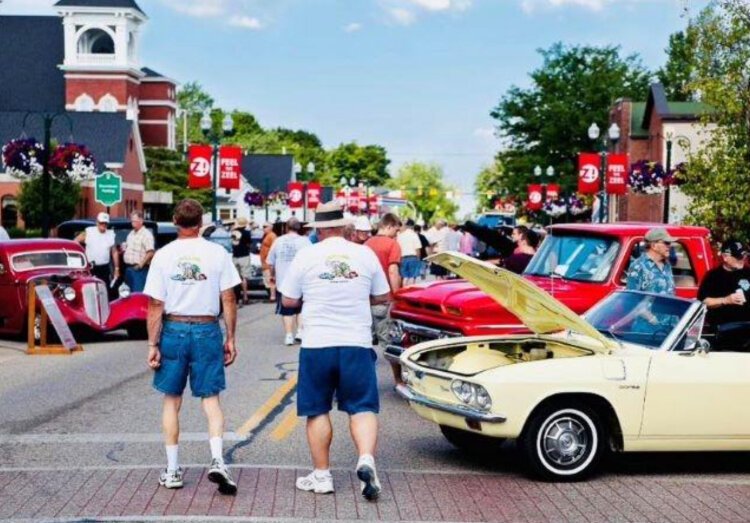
(63, 198)
(368, 163)
(679, 69)
(491, 182)
(718, 174)
(424, 187)
(193, 98)
(167, 171)
(546, 123)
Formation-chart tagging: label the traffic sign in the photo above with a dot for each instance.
(108, 189)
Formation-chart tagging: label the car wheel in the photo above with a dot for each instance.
(564, 442)
(470, 441)
(137, 331)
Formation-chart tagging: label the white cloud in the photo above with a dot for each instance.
(245, 22)
(198, 8)
(353, 27)
(442, 5)
(406, 12)
(531, 6)
(402, 16)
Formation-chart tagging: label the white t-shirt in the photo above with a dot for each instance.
(283, 252)
(438, 238)
(99, 245)
(188, 275)
(409, 242)
(335, 279)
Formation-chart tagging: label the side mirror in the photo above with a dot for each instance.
(700, 346)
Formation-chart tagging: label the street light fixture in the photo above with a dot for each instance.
(227, 127)
(550, 171)
(613, 134)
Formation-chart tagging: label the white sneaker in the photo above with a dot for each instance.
(368, 477)
(289, 339)
(219, 473)
(317, 484)
(171, 479)
(298, 336)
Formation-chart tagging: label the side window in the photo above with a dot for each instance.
(637, 247)
(682, 268)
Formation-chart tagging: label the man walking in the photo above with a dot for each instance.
(411, 246)
(241, 247)
(139, 249)
(265, 247)
(279, 259)
(100, 248)
(651, 272)
(187, 279)
(338, 280)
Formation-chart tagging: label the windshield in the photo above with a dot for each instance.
(634, 317)
(48, 259)
(580, 258)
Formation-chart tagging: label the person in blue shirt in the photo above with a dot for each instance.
(652, 272)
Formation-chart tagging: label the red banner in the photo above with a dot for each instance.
(313, 195)
(588, 173)
(230, 167)
(535, 197)
(553, 191)
(617, 173)
(341, 198)
(352, 202)
(199, 171)
(373, 204)
(296, 196)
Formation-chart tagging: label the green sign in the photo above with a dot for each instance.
(108, 189)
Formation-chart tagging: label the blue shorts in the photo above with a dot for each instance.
(411, 267)
(346, 372)
(285, 311)
(191, 350)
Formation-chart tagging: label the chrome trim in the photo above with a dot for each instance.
(459, 410)
(421, 330)
(393, 352)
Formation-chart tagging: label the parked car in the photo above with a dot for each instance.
(632, 375)
(82, 298)
(578, 264)
(221, 236)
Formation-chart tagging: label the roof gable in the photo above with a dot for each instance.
(657, 101)
(268, 172)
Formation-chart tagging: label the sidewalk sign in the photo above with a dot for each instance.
(49, 312)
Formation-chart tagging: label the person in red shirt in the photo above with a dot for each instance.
(388, 251)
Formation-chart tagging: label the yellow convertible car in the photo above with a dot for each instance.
(633, 374)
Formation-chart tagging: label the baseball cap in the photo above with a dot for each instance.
(733, 248)
(362, 224)
(102, 217)
(659, 234)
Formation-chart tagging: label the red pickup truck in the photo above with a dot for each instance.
(579, 264)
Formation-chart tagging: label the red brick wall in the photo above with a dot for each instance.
(150, 112)
(154, 135)
(156, 91)
(120, 89)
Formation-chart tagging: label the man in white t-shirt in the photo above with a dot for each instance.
(187, 279)
(100, 248)
(280, 257)
(338, 281)
(411, 246)
(437, 237)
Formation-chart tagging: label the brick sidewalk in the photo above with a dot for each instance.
(269, 494)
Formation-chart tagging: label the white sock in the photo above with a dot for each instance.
(217, 449)
(172, 457)
(322, 473)
(366, 459)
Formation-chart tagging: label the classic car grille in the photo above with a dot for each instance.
(413, 334)
(96, 302)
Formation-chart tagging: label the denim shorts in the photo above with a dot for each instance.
(411, 267)
(191, 350)
(348, 373)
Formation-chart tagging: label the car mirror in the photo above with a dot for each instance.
(699, 346)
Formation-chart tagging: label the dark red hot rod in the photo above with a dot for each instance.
(82, 298)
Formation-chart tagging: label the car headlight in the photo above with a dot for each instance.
(124, 291)
(393, 332)
(69, 293)
(471, 394)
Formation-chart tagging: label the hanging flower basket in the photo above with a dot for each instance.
(278, 200)
(254, 199)
(576, 206)
(72, 161)
(647, 177)
(555, 208)
(23, 158)
(678, 175)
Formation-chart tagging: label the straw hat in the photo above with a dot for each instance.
(329, 215)
(241, 222)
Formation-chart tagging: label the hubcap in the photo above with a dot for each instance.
(565, 441)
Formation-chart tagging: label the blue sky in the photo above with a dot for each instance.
(417, 76)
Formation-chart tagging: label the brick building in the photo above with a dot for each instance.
(84, 62)
(646, 127)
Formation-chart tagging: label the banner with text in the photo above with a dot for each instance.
(617, 173)
(588, 173)
(199, 161)
(314, 193)
(230, 167)
(535, 197)
(296, 196)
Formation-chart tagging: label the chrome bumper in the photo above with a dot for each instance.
(459, 410)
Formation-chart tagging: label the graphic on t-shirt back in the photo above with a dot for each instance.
(338, 269)
(188, 271)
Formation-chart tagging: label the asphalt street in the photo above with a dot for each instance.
(92, 419)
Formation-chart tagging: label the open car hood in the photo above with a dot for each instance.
(539, 311)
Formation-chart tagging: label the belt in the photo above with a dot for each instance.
(190, 319)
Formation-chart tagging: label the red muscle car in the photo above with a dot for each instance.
(579, 264)
(82, 298)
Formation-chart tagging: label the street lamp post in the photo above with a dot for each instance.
(613, 133)
(47, 120)
(683, 142)
(227, 128)
(297, 171)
